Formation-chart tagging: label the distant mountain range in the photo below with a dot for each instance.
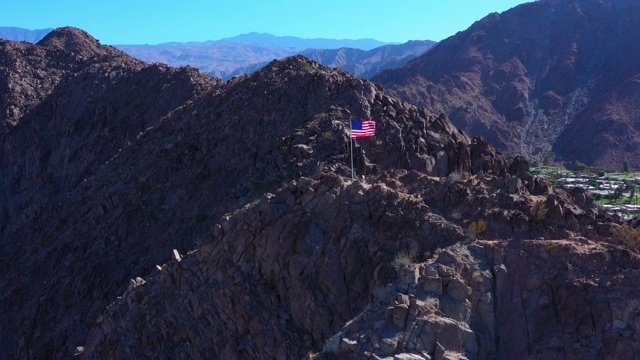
(20, 34)
(218, 59)
(545, 79)
(245, 53)
(362, 63)
(300, 43)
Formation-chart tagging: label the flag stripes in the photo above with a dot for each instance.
(362, 128)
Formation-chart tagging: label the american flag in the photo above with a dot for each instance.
(362, 128)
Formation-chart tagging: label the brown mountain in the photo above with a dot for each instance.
(153, 212)
(549, 77)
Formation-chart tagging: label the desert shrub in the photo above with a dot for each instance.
(551, 245)
(629, 236)
(476, 228)
(539, 212)
(401, 260)
(320, 356)
(455, 176)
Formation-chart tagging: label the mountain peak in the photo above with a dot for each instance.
(73, 40)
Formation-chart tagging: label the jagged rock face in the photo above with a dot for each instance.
(582, 307)
(505, 300)
(29, 74)
(314, 263)
(510, 206)
(292, 268)
(545, 78)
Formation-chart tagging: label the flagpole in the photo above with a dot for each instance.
(351, 146)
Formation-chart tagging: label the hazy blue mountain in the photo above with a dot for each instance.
(248, 52)
(302, 44)
(20, 34)
(362, 63)
(218, 59)
(245, 53)
(366, 64)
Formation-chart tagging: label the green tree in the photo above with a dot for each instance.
(617, 193)
(580, 166)
(625, 166)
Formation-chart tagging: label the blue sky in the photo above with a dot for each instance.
(118, 22)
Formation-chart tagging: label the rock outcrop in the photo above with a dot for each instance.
(277, 278)
(505, 300)
(343, 267)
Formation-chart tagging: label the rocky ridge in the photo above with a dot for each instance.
(316, 266)
(225, 169)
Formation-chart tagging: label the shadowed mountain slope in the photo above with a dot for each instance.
(545, 78)
(67, 111)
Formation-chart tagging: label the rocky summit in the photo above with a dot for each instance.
(548, 79)
(155, 212)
